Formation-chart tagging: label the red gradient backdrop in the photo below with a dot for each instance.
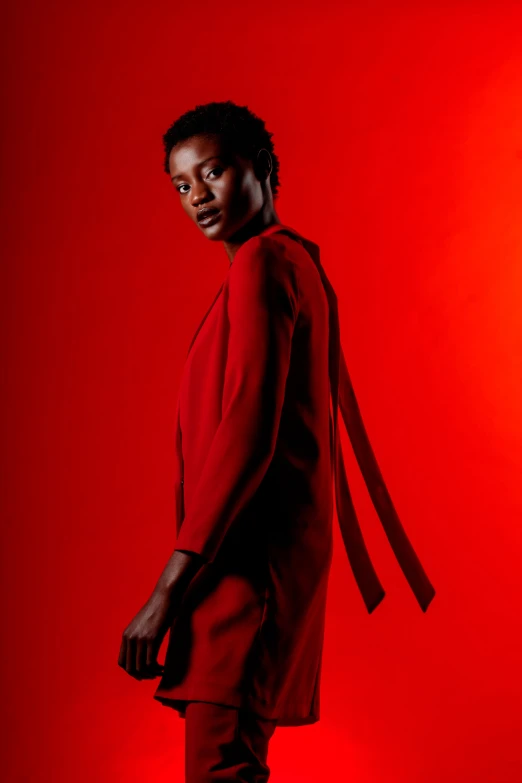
(399, 130)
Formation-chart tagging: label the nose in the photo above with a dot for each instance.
(200, 195)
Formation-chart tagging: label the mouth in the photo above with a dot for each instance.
(207, 217)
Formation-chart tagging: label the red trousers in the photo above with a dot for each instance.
(225, 744)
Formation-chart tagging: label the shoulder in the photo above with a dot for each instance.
(272, 256)
(260, 246)
(263, 265)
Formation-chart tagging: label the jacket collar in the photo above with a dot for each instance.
(310, 246)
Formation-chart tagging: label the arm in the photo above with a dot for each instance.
(142, 638)
(262, 310)
(263, 301)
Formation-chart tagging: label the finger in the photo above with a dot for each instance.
(154, 669)
(151, 674)
(141, 654)
(131, 654)
(151, 654)
(123, 653)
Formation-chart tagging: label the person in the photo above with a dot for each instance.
(244, 592)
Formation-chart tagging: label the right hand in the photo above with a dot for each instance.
(143, 636)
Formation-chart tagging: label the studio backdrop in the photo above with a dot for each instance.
(399, 131)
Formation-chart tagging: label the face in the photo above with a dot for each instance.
(207, 175)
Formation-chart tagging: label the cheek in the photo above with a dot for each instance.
(246, 192)
(229, 188)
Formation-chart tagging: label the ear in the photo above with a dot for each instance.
(263, 165)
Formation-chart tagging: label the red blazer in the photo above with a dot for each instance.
(256, 450)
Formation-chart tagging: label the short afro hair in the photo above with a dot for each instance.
(237, 125)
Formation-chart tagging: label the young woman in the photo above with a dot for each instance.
(244, 592)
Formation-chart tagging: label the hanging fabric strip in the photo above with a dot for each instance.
(343, 397)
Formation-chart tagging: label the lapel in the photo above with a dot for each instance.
(205, 317)
(178, 451)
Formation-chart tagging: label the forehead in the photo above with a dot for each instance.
(190, 153)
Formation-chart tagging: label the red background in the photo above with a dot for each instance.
(398, 127)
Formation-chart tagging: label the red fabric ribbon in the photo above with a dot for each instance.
(343, 396)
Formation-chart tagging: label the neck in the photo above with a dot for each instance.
(260, 221)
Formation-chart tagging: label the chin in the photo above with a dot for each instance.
(220, 231)
(214, 233)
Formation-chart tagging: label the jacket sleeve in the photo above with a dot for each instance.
(262, 306)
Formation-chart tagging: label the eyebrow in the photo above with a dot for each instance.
(179, 176)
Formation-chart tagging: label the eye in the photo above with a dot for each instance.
(219, 169)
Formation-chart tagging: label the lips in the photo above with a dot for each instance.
(206, 213)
